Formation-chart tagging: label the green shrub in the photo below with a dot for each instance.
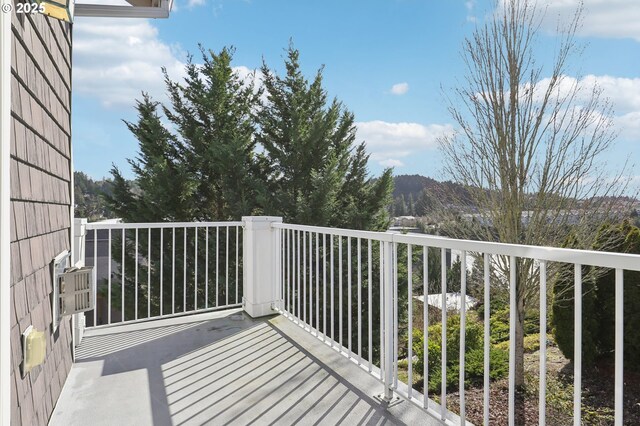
(499, 324)
(474, 354)
(531, 343)
(531, 322)
(503, 346)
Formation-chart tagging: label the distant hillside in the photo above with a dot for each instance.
(412, 184)
(416, 195)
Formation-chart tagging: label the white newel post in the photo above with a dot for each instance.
(260, 262)
(77, 259)
(79, 241)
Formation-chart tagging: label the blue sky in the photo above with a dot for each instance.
(389, 61)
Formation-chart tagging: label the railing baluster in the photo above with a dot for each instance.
(332, 297)
(350, 290)
(310, 281)
(95, 274)
(359, 302)
(512, 338)
(340, 291)
(463, 329)
(149, 273)
(487, 336)
(410, 319)
(206, 268)
(173, 270)
(619, 347)
(317, 283)
(226, 274)
(577, 348)
(195, 272)
(294, 293)
(304, 279)
(289, 288)
(394, 265)
(542, 393)
(443, 355)
(226, 279)
(217, 264)
(388, 342)
(184, 268)
(109, 281)
(136, 278)
(381, 279)
(298, 312)
(161, 270)
(425, 325)
(122, 278)
(370, 304)
(324, 287)
(237, 263)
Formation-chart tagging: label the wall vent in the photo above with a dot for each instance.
(73, 288)
(76, 290)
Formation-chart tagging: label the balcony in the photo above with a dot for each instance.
(262, 322)
(219, 368)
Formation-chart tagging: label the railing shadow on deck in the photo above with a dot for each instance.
(228, 370)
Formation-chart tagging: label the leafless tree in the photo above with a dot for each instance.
(529, 143)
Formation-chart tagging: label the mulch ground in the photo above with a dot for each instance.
(597, 395)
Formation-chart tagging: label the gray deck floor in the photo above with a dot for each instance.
(219, 368)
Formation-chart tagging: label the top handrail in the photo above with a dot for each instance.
(159, 225)
(380, 236)
(630, 262)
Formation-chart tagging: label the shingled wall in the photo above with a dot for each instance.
(40, 204)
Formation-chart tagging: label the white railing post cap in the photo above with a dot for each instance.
(259, 219)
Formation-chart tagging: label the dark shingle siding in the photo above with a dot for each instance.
(40, 204)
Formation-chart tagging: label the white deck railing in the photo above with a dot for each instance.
(316, 263)
(338, 284)
(166, 268)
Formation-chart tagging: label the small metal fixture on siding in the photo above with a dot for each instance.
(34, 348)
(73, 288)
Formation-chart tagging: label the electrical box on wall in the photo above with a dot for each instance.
(73, 288)
(34, 348)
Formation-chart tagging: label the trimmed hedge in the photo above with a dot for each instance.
(598, 310)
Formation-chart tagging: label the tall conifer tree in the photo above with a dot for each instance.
(318, 174)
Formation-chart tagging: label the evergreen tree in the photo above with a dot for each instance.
(208, 169)
(400, 206)
(317, 175)
(411, 205)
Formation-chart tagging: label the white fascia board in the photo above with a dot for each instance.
(117, 11)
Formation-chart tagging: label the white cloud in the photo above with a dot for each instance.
(115, 59)
(389, 142)
(470, 6)
(193, 3)
(602, 18)
(391, 162)
(629, 127)
(623, 93)
(400, 88)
